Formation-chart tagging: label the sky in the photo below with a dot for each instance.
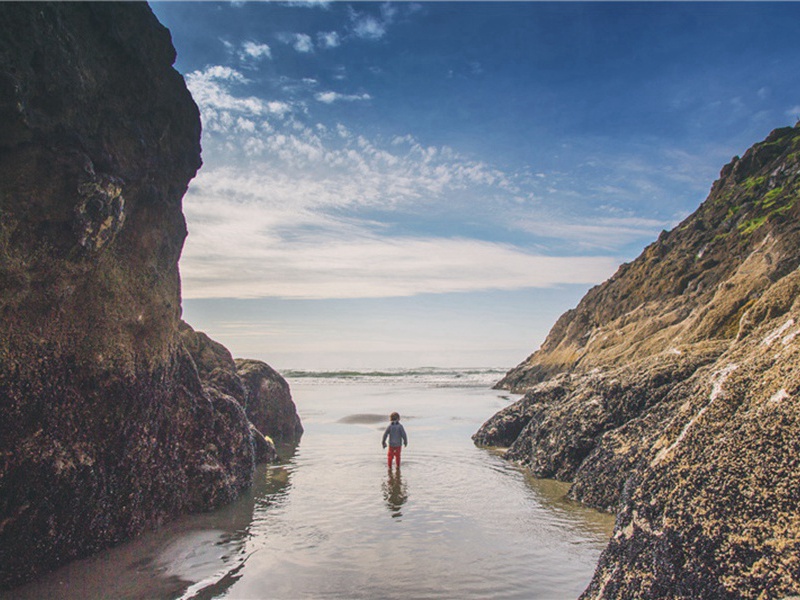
(414, 184)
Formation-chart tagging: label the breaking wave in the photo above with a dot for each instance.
(428, 376)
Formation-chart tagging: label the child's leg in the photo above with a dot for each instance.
(394, 452)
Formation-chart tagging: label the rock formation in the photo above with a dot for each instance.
(269, 404)
(669, 395)
(261, 391)
(107, 428)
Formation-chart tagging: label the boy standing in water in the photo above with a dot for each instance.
(396, 435)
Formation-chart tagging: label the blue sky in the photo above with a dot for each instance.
(433, 184)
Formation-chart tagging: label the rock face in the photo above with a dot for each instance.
(108, 428)
(669, 395)
(260, 390)
(214, 363)
(269, 403)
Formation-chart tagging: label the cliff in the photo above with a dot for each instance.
(669, 395)
(108, 427)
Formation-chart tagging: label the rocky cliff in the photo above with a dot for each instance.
(669, 395)
(108, 427)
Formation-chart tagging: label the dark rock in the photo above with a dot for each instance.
(668, 395)
(504, 428)
(269, 403)
(225, 464)
(272, 403)
(214, 363)
(107, 427)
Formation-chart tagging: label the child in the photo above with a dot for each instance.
(396, 434)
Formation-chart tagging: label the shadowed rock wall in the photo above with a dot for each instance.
(106, 429)
(670, 396)
(269, 403)
(260, 390)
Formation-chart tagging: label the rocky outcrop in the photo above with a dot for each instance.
(669, 395)
(214, 363)
(260, 390)
(269, 403)
(107, 428)
(695, 282)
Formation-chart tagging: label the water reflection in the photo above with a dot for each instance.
(395, 493)
(197, 556)
(225, 558)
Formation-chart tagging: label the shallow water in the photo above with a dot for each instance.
(332, 522)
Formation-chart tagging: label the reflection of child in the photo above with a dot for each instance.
(396, 435)
(395, 493)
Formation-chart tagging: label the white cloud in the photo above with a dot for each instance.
(315, 211)
(328, 39)
(221, 109)
(277, 107)
(343, 131)
(794, 112)
(331, 97)
(309, 3)
(303, 43)
(254, 50)
(257, 245)
(605, 233)
(218, 73)
(369, 28)
(210, 89)
(403, 139)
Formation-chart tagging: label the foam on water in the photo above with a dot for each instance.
(423, 376)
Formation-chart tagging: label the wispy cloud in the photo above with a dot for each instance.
(601, 233)
(225, 112)
(301, 209)
(331, 97)
(328, 39)
(303, 43)
(211, 90)
(371, 27)
(309, 3)
(255, 51)
(249, 247)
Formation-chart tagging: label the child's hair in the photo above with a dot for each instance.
(394, 416)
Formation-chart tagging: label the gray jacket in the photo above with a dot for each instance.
(396, 435)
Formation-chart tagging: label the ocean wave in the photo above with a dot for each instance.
(430, 376)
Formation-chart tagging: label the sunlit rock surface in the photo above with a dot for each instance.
(669, 395)
(108, 428)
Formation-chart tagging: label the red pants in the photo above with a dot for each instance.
(394, 452)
